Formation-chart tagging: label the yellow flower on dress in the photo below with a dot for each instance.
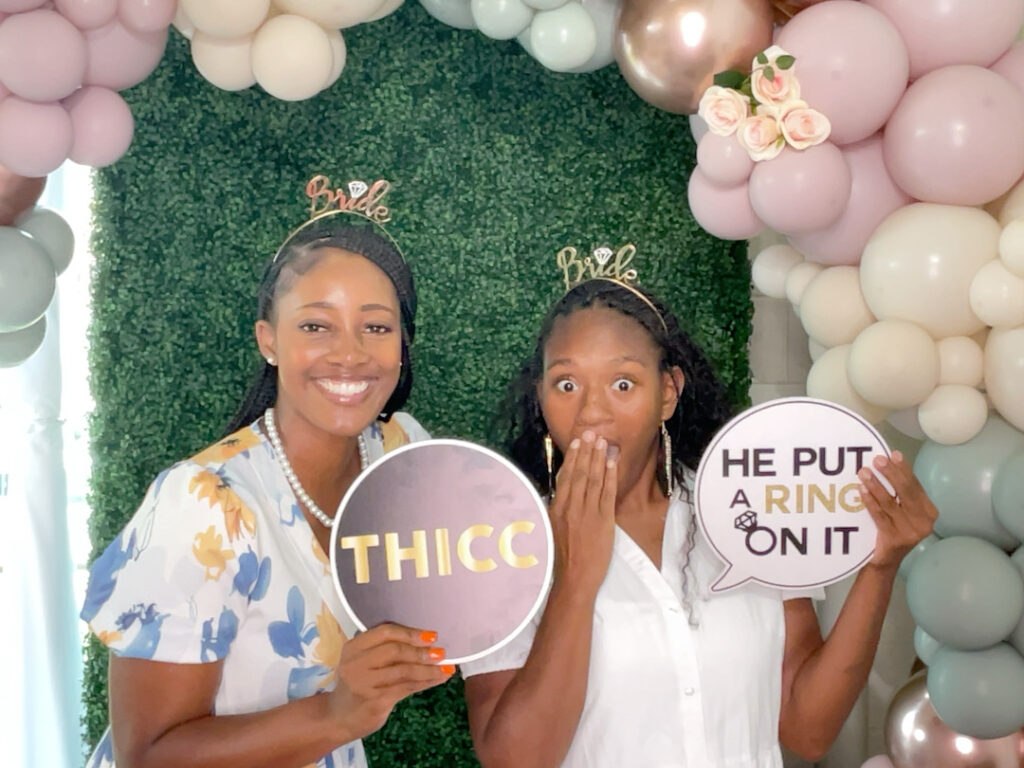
(330, 638)
(230, 446)
(207, 549)
(237, 515)
(319, 554)
(393, 435)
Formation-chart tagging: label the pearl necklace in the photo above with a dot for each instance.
(289, 473)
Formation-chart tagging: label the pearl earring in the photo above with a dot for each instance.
(271, 361)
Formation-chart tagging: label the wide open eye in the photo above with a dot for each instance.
(623, 385)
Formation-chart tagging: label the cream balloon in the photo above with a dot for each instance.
(333, 14)
(1011, 247)
(292, 57)
(389, 7)
(1008, 207)
(814, 349)
(997, 296)
(961, 361)
(183, 23)
(894, 364)
(564, 38)
(771, 267)
(339, 56)
(828, 380)
(832, 308)
(919, 263)
(224, 61)
(226, 18)
(501, 19)
(1004, 373)
(798, 278)
(906, 422)
(545, 5)
(953, 414)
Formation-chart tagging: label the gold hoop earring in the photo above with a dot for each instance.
(549, 460)
(666, 442)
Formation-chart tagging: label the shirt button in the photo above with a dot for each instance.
(690, 691)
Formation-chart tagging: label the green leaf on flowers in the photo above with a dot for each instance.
(785, 62)
(730, 78)
(761, 58)
(769, 73)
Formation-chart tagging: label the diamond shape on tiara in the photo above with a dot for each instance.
(357, 188)
(602, 255)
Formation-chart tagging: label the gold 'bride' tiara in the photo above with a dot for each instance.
(604, 264)
(358, 199)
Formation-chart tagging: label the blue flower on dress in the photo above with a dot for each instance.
(103, 575)
(148, 637)
(288, 637)
(215, 647)
(253, 575)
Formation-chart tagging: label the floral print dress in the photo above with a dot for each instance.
(219, 564)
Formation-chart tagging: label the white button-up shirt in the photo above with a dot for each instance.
(664, 688)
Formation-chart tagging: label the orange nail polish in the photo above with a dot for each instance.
(436, 654)
(427, 636)
(448, 669)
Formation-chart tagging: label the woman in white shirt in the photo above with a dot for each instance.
(633, 662)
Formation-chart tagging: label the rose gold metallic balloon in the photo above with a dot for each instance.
(916, 738)
(17, 195)
(670, 50)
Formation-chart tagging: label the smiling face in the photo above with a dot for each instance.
(336, 337)
(602, 372)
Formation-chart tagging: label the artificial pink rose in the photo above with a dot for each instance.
(759, 135)
(723, 109)
(803, 127)
(781, 88)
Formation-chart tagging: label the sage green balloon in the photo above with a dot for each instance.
(1017, 636)
(27, 280)
(18, 346)
(979, 693)
(911, 556)
(925, 645)
(959, 479)
(1008, 494)
(966, 593)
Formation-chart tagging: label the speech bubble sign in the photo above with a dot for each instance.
(777, 494)
(443, 535)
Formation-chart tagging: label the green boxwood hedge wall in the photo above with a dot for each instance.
(496, 163)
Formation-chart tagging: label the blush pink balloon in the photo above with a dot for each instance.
(723, 160)
(878, 761)
(1011, 65)
(20, 6)
(88, 14)
(34, 138)
(851, 63)
(147, 15)
(42, 55)
(955, 137)
(725, 212)
(873, 196)
(938, 33)
(103, 126)
(120, 57)
(801, 190)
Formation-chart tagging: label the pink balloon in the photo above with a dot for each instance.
(147, 15)
(955, 137)
(873, 196)
(42, 55)
(88, 14)
(878, 761)
(34, 138)
(938, 33)
(120, 57)
(723, 160)
(851, 63)
(1011, 65)
(725, 212)
(801, 190)
(103, 126)
(19, 6)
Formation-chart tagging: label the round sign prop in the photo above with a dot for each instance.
(777, 494)
(443, 535)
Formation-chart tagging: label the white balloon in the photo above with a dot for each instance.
(828, 380)
(814, 349)
(1004, 373)
(894, 364)
(1011, 247)
(545, 5)
(183, 23)
(292, 57)
(27, 280)
(905, 420)
(334, 14)
(454, 13)
(771, 267)
(501, 19)
(961, 361)
(18, 346)
(226, 18)
(389, 7)
(832, 308)
(564, 38)
(997, 296)
(798, 278)
(51, 231)
(224, 61)
(339, 55)
(605, 15)
(919, 263)
(953, 414)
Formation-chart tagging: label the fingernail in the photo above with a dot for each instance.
(881, 461)
(863, 489)
(448, 669)
(897, 456)
(575, 443)
(436, 654)
(613, 452)
(864, 473)
(588, 436)
(601, 444)
(427, 636)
